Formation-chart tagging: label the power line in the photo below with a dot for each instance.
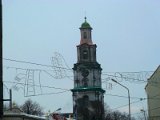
(136, 113)
(63, 90)
(103, 73)
(141, 99)
(134, 97)
(125, 96)
(152, 83)
(36, 85)
(72, 76)
(128, 104)
(123, 72)
(33, 63)
(49, 93)
(20, 68)
(147, 110)
(40, 70)
(66, 68)
(125, 77)
(45, 70)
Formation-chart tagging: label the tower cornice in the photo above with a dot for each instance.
(87, 65)
(84, 89)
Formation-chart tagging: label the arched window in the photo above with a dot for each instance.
(77, 83)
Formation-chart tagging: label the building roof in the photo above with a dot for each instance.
(158, 69)
(85, 25)
(17, 113)
(23, 115)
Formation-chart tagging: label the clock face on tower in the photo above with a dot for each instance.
(85, 72)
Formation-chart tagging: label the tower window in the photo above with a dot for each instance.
(84, 35)
(85, 54)
(77, 83)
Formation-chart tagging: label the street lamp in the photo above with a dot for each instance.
(144, 112)
(58, 109)
(129, 109)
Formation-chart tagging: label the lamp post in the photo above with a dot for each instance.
(58, 109)
(144, 112)
(129, 109)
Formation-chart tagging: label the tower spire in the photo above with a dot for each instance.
(85, 18)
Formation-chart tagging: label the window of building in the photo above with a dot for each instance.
(85, 54)
(84, 35)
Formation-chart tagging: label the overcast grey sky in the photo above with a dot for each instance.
(127, 34)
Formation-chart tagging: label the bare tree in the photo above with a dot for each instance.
(32, 108)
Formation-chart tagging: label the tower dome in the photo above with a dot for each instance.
(85, 25)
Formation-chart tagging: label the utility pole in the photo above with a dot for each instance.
(10, 99)
(144, 113)
(10, 103)
(129, 103)
(1, 65)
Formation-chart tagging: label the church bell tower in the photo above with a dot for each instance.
(88, 95)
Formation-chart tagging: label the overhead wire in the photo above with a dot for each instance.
(67, 68)
(36, 85)
(35, 69)
(69, 90)
(128, 104)
(63, 90)
(125, 77)
(45, 70)
(33, 63)
(72, 76)
(20, 68)
(124, 96)
(146, 110)
(152, 83)
(48, 93)
(141, 99)
(104, 73)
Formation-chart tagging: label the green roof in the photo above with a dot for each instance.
(85, 25)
